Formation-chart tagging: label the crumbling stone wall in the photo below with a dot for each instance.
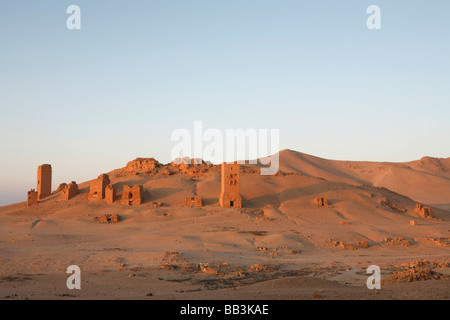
(132, 196)
(32, 198)
(44, 181)
(98, 186)
(61, 187)
(194, 201)
(110, 194)
(423, 211)
(362, 244)
(107, 218)
(230, 194)
(320, 202)
(69, 191)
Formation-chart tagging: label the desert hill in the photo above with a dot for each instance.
(426, 180)
(210, 251)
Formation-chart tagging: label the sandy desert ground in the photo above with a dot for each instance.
(279, 246)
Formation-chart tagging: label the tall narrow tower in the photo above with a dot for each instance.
(44, 181)
(230, 196)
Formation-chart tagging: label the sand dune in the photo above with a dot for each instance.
(426, 180)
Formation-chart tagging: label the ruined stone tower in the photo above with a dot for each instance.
(44, 181)
(132, 196)
(98, 186)
(69, 191)
(110, 194)
(32, 198)
(230, 196)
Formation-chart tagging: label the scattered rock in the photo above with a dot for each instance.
(398, 242)
(342, 245)
(442, 242)
(391, 205)
(412, 275)
(156, 204)
(208, 270)
(258, 268)
(172, 260)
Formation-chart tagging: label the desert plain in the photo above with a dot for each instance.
(280, 245)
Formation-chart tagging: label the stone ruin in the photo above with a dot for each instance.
(102, 189)
(44, 181)
(110, 194)
(142, 165)
(150, 166)
(61, 187)
(230, 193)
(187, 162)
(69, 191)
(193, 201)
(156, 204)
(320, 202)
(423, 211)
(132, 196)
(107, 218)
(98, 186)
(342, 245)
(194, 167)
(32, 198)
(362, 244)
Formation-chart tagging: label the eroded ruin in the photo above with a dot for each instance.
(132, 196)
(44, 181)
(32, 198)
(107, 218)
(362, 244)
(69, 191)
(98, 187)
(423, 211)
(110, 194)
(320, 202)
(194, 201)
(61, 187)
(142, 165)
(230, 193)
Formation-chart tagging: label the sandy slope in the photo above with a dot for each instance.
(426, 180)
(280, 246)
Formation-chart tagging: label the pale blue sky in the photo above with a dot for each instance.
(88, 101)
